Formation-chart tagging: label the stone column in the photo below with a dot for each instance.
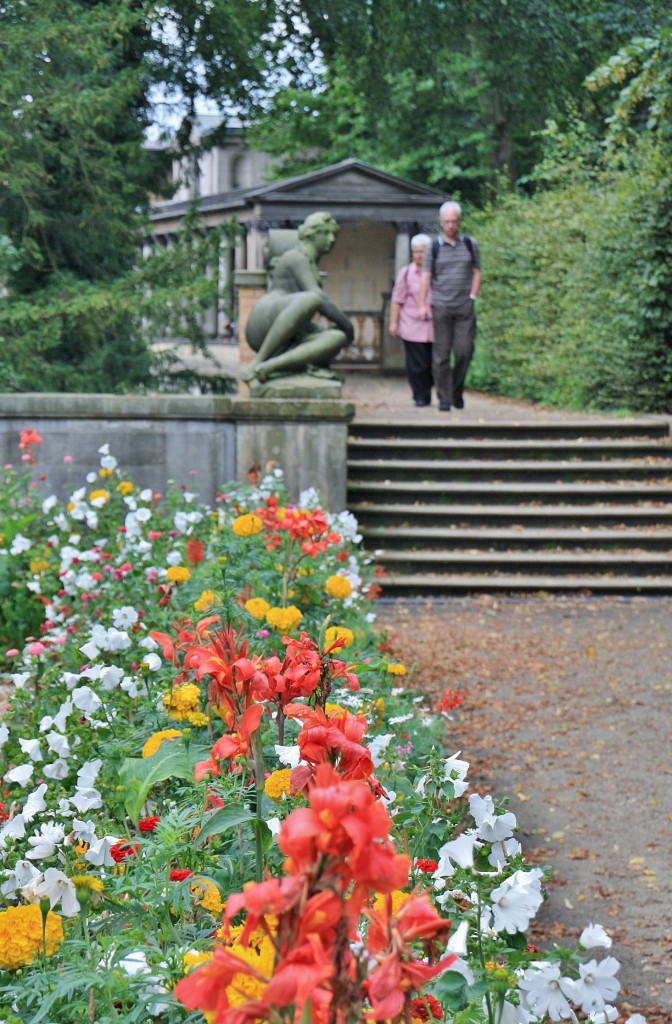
(402, 247)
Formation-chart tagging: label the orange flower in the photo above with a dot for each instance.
(28, 437)
(233, 744)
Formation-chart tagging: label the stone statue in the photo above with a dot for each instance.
(281, 329)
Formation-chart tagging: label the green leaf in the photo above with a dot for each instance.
(139, 774)
(226, 818)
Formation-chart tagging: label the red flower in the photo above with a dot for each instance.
(451, 699)
(149, 824)
(179, 874)
(426, 864)
(233, 744)
(120, 851)
(194, 551)
(427, 1008)
(28, 437)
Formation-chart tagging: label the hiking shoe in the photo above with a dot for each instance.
(444, 407)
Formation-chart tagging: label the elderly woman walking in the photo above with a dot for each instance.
(415, 331)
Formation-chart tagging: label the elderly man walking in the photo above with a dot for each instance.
(452, 267)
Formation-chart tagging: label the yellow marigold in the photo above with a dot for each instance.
(104, 473)
(278, 784)
(284, 620)
(396, 668)
(125, 487)
(335, 633)
(338, 586)
(208, 599)
(38, 565)
(182, 700)
(194, 958)
(398, 900)
(178, 573)
(247, 525)
(197, 718)
(260, 954)
(378, 707)
(329, 707)
(88, 882)
(99, 495)
(157, 738)
(257, 607)
(21, 935)
(208, 896)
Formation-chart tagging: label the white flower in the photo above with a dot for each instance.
(456, 772)
(84, 831)
(516, 901)
(104, 449)
(86, 800)
(152, 661)
(108, 462)
(149, 644)
(88, 773)
(98, 852)
(58, 744)
(543, 990)
(21, 774)
(31, 748)
(274, 825)
(90, 650)
(491, 826)
(91, 478)
(501, 852)
(457, 943)
(58, 769)
(20, 679)
(124, 617)
(48, 504)
(507, 1013)
(377, 745)
(56, 886)
(13, 829)
(610, 1014)
(111, 676)
(23, 874)
(4, 735)
(145, 494)
(35, 803)
(134, 686)
(20, 544)
(594, 936)
(636, 1018)
(173, 558)
(596, 984)
(86, 700)
(291, 756)
(458, 851)
(398, 719)
(46, 841)
(143, 515)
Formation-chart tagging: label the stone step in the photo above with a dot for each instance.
(363, 469)
(508, 583)
(522, 515)
(570, 427)
(402, 562)
(431, 446)
(499, 538)
(449, 493)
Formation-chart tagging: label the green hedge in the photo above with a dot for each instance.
(576, 306)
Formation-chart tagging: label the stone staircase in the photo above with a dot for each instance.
(471, 507)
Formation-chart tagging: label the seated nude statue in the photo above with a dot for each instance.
(280, 328)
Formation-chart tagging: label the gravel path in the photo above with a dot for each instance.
(569, 712)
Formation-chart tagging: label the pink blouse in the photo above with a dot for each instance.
(405, 293)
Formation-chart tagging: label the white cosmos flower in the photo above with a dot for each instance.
(543, 990)
(516, 901)
(86, 800)
(491, 826)
(31, 748)
(58, 769)
(124, 617)
(56, 887)
(35, 803)
(86, 700)
(45, 842)
(594, 936)
(597, 984)
(58, 744)
(21, 774)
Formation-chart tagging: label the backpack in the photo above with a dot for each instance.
(468, 241)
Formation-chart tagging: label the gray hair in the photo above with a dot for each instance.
(450, 205)
(420, 240)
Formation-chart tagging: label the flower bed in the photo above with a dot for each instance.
(224, 799)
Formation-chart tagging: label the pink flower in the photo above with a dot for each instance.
(67, 458)
(36, 648)
(11, 653)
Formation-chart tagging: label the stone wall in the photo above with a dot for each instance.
(201, 442)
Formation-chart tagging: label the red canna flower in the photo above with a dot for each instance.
(233, 744)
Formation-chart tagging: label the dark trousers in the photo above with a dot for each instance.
(419, 369)
(454, 335)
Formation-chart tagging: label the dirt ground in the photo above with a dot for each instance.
(569, 713)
